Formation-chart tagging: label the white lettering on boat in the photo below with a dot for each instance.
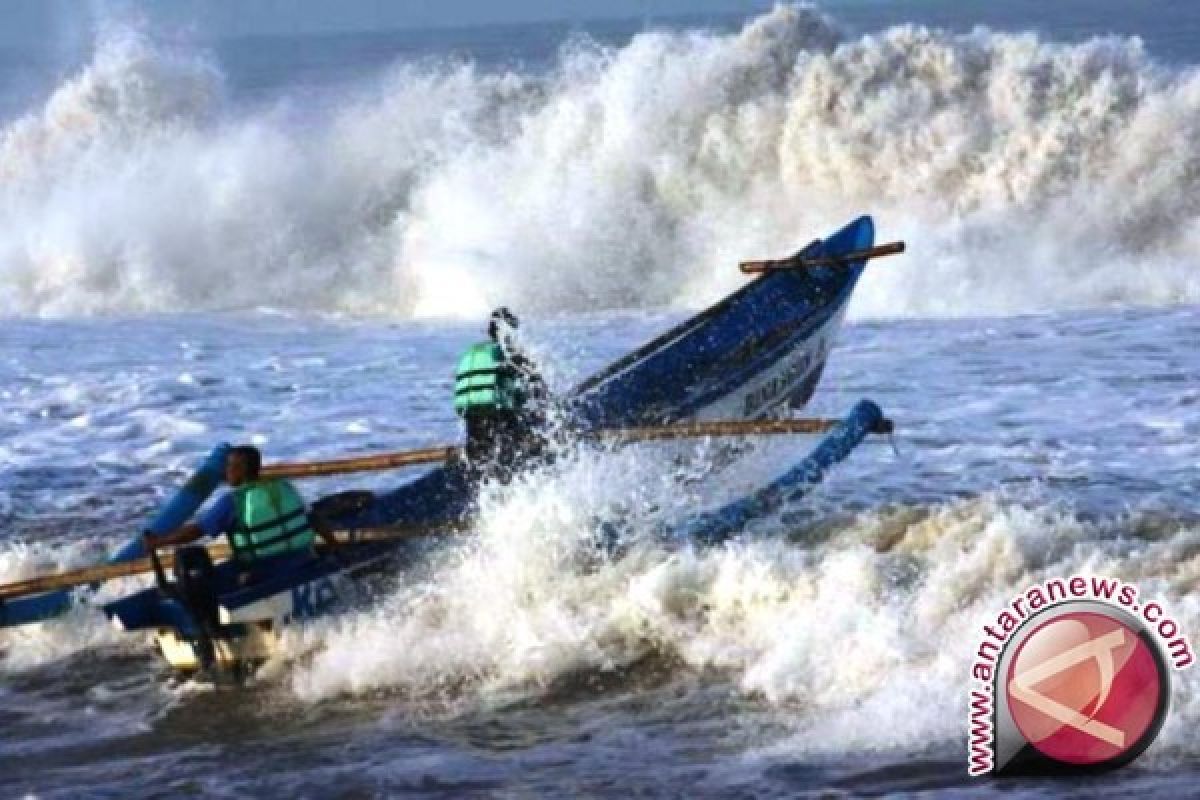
(312, 599)
(781, 383)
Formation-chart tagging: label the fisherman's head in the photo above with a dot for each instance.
(502, 325)
(242, 465)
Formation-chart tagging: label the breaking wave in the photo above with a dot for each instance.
(858, 619)
(1026, 175)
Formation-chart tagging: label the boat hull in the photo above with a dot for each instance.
(752, 355)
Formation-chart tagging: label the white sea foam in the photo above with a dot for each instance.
(872, 617)
(1025, 175)
(1102, 421)
(82, 628)
(875, 619)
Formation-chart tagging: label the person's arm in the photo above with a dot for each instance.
(184, 534)
(322, 528)
(530, 377)
(215, 520)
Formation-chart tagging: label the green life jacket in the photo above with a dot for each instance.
(485, 379)
(271, 521)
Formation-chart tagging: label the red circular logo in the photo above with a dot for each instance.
(1084, 688)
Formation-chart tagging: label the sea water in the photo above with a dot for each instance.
(287, 241)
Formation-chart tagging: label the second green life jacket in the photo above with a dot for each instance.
(271, 520)
(485, 379)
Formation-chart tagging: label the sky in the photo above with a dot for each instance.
(25, 24)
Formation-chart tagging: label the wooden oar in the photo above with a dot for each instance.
(433, 455)
(797, 262)
(764, 427)
(218, 551)
(343, 466)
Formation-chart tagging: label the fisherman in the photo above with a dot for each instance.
(266, 520)
(502, 398)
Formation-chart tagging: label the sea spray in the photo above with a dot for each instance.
(83, 628)
(1026, 176)
(843, 621)
(875, 621)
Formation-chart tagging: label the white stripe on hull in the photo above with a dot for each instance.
(768, 392)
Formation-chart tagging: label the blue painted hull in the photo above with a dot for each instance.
(759, 349)
(301, 589)
(315, 587)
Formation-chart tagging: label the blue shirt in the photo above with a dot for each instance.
(220, 517)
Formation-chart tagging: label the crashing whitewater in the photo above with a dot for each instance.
(527, 609)
(1026, 175)
(528, 606)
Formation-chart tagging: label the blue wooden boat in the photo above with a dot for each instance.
(754, 354)
(758, 351)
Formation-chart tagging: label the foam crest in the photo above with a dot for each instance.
(132, 90)
(1026, 175)
(519, 604)
(874, 618)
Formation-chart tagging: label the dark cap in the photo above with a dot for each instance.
(501, 316)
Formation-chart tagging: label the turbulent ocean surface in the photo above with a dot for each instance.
(287, 241)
